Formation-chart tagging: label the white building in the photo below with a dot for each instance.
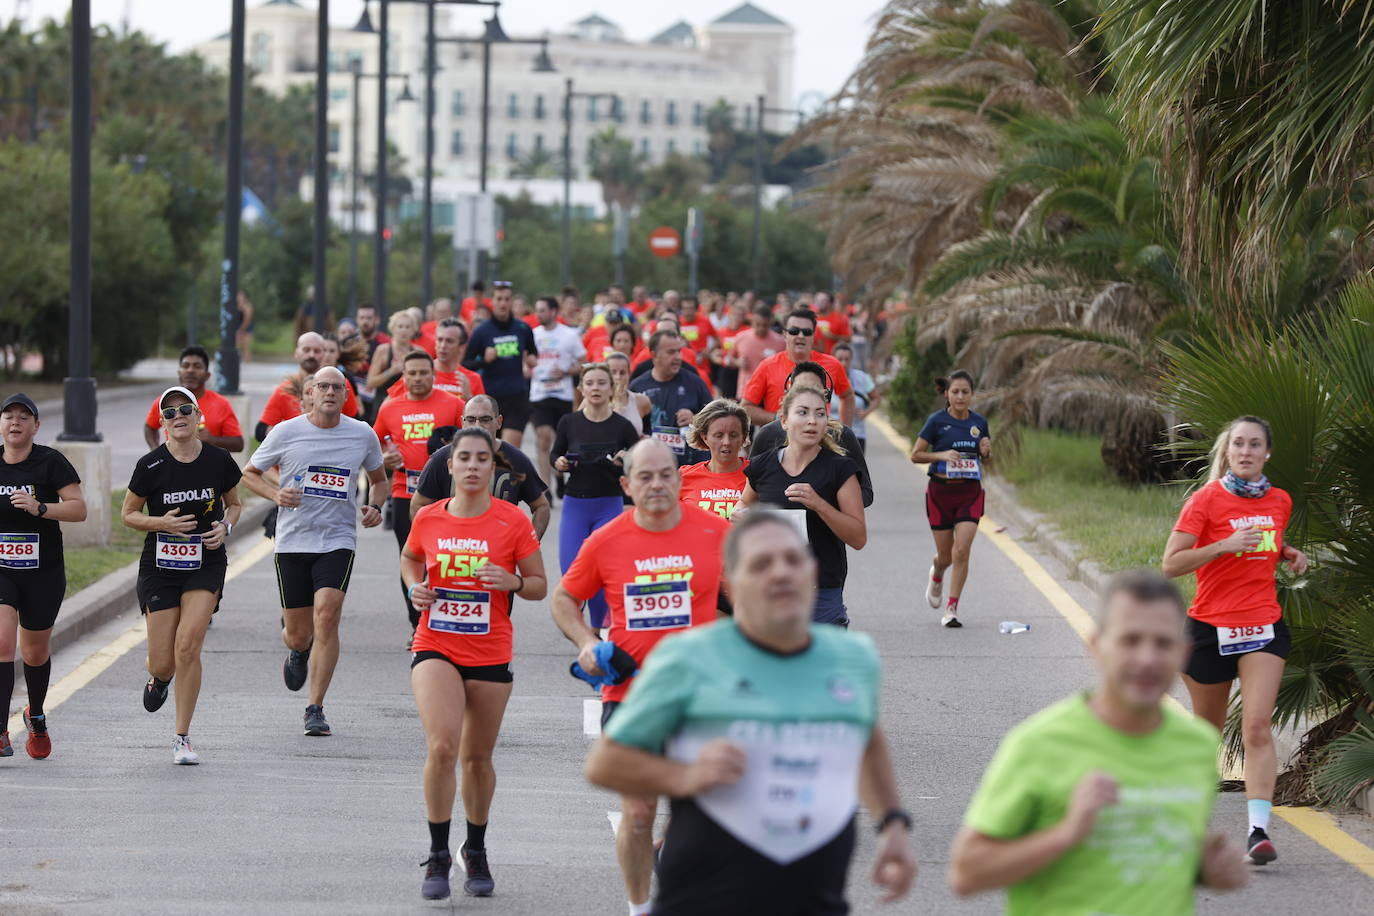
(665, 84)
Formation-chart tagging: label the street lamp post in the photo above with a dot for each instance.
(229, 316)
(755, 237)
(320, 303)
(79, 404)
(568, 96)
(379, 219)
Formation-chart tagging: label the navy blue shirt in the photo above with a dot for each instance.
(945, 432)
(506, 375)
(686, 389)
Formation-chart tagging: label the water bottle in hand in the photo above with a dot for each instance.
(1012, 627)
(296, 485)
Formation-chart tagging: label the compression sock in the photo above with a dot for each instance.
(6, 689)
(477, 836)
(438, 836)
(37, 677)
(1259, 813)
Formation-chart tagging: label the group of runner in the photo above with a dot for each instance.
(710, 582)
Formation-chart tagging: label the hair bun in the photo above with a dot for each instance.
(941, 385)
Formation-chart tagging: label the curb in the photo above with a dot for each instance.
(98, 604)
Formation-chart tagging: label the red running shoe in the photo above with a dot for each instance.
(39, 744)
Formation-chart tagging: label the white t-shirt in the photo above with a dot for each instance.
(559, 349)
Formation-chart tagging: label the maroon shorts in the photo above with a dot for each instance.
(951, 501)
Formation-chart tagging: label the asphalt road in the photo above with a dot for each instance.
(273, 821)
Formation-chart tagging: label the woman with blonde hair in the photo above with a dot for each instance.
(721, 428)
(632, 405)
(1230, 533)
(388, 360)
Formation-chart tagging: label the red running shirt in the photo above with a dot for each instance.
(1237, 589)
(670, 578)
(410, 424)
(768, 383)
(718, 493)
(468, 624)
(217, 415)
(283, 405)
(444, 381)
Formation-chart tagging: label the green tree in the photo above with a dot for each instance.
(615, 164)
(538, 163)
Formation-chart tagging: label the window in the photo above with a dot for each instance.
(455, 143)
(672, 146)
(670, 116)
(512, 146)
(456, 106)
(262, 52)
(513, 106)
(697, 148)
(593, 112)
(698, 114)
(539, 143)
(646, 112)
(539, 112)
(354, 59)
(333, 138)
(338, 95)
(748, 117)
(644, 147)
(617, 110)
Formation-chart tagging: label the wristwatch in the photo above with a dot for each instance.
(895, 814)
(42, 509)
(228, 528)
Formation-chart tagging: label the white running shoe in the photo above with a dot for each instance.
(950, 620)
(935, 589)
(182, 753)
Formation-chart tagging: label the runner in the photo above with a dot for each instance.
(1230, 534)
(955, 443)
(450, 339)
(588, 448)
(1100, 803)
(725, 362)
(39, 489)
(244, 337)
(514, 480)
(695, 328)
(631, 405)
(285, 401)
(320, 455)
(388, 359)
(561, 355)
(676, 393)
(404, 425)
(768, 383)
(465, 560)
(819, 487)
(766, 776)
(502, 351)
(755, 345)
(866, 396)
(660, 567)
(832, 325)
(219, 423)
(184, 494)
(717, 485)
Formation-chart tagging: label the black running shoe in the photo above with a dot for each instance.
(155, 694)
(315, 725)
(296, 669)
(478, 882)
(438, 867)
(1261, 848)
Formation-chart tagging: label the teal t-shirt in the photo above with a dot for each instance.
(803, 720)
(1143, 854)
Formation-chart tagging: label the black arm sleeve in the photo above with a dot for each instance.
(261, 430)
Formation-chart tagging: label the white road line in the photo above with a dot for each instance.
(591, 717)
(614, 818)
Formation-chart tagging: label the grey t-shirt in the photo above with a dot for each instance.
(328, 462)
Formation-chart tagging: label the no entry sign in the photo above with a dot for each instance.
(665, 241)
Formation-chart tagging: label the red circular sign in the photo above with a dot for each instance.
(665, 242)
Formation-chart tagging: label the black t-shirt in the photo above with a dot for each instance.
(594, 443)
(436, 482)
(195, 487)
(686, 389)
(41, 475)
(771, 437)
(826, 474)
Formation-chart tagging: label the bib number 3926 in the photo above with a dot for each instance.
(465, 611)
(178, 551)
(19, 551)
(1239, 640)
(658, 605)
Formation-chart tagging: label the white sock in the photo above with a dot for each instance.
(640, 909)
(1259, 809)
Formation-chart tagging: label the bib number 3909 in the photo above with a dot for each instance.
(658, 605)
(1239, 640)
(19, 551)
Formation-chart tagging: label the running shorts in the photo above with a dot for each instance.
(496, 674)
(1208, 666)
(301, 575)
(549, 411)
(36, 594)
(160, 589)
(515, 411)
(949, 502)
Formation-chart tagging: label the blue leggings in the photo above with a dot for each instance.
(582, 516)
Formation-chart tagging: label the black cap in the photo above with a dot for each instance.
(23, 400)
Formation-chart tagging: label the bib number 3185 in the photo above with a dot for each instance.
(1239, 640)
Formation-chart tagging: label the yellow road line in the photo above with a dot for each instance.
(1319, 826)
(101, 659)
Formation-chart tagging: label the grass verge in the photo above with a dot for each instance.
(88, 565)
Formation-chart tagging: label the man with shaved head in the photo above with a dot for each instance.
(660, 568)
(320, 455)
(285, 401)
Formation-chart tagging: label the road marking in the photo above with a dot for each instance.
(591, 717)
(1318, 826)
(614, 817)
(101, 659)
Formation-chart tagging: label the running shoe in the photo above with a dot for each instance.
(478, 882)
(154, 695)
(935, 588)
(296, 669)
(39, 744)
(182, 754)
(6, 749)
(1261, 848)
(315, 725)
(438, 868)
(950, 620)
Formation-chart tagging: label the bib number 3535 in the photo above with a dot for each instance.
(1239, 640)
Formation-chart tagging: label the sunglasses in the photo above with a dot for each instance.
(169, 413)
(477, 421)
(501, 284)
(805, 332)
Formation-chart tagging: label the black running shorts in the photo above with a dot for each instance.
(496, 674)
(515, 411)
(549, 411)
(1208, 666)
(301, 575)
(35, 593)
(160, 589)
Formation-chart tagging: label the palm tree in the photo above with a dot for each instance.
(617, 166)
(720, 131)
(538, 163)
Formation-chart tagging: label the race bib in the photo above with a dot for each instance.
(963, 469)
(658, 605)
(178, 551)
(797, 519)
(326, 482)
(461, 611)
(672, 437)
(18, 551)
(412, 481)
(1239, 640)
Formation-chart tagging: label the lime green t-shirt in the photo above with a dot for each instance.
(1142, 856)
